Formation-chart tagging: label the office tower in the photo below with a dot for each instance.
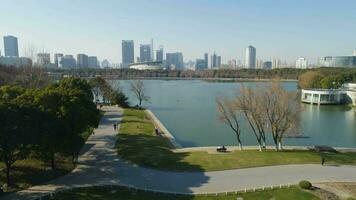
(159, 54)
(213, 60)
(11, 46)
(206, 58)
(267, 65)
(218, 61)
(82, 60)
(43, 59)
(200, 64)
(56, 56)
(93, 62)
(66, 61)
(174, 61)
(250, 57)
(301, 63)
(145, 53)
(127, 53)
(152, 55)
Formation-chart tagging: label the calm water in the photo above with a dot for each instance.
(188, 109)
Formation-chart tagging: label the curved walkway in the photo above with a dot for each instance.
(99, 165)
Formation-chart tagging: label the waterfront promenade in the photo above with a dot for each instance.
(100, 165)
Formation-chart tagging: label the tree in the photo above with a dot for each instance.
(282, 109)
(16, 119)
(250, 102)
(138, 88)
(229, 114)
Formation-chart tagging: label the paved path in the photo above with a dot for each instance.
(99, 164)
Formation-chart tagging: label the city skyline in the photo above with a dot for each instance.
(276, 28)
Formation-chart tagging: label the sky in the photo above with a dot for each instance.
(285, 29)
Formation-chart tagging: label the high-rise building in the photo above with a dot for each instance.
(43, 59)
(145, 53)
(206, 60)
(215, 60)
(174, 61)
(267, 65)
(355, 52)
(127, 53)
(159, 54)
(250, 57)
(56, 56)
(218, 61)
(82, 61)
(66, 61)
(301, 63)
(93, 62)
(11, 46)
(200, 64)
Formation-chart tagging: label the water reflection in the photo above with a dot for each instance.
(188, 110)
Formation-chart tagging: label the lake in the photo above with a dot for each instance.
(188, 110)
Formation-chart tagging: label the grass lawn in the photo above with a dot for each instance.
(29, 172)
(138, 143)
(114, 193)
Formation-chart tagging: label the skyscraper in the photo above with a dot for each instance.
(159, 54)
(218, 61)
(250, 57)
(92, 62)
(213, 62)
(206, 58)
(301, 63)
(127, 53)
(56, 56)
(43, 59)
(11, 46)
(145, 53)
(174, 61)
(82, 60)
(66, 61)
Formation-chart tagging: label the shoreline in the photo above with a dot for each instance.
(179, 148)
(158, 124)
(212, 79)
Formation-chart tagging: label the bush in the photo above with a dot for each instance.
(305, 185)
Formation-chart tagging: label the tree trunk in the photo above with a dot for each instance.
(280, 145)
(260, 147)
(8, 179)
(240, 146)
(53, 162)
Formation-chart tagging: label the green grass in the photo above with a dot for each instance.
(114, 193)
(138, 143)
(29, 172)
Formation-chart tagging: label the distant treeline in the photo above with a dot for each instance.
(286, 73)
(327, 78)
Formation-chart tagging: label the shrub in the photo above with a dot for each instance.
(305, 185)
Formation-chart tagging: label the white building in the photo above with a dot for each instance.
(355, 52)
(11, 46)
(345, 95)
(250, 57)
(301, 63)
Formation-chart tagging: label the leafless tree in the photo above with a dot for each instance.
(229, 114)
(33, 76)
(250, 102)
(138, 88)
(282, 109)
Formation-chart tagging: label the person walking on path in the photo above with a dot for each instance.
(115, 127)
(322, 159)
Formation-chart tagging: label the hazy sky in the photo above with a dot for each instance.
(285, 29)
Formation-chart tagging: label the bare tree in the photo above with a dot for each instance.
(250, 102)
(282, 109)
(33, 76)
(138, 88)
(229, 114)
